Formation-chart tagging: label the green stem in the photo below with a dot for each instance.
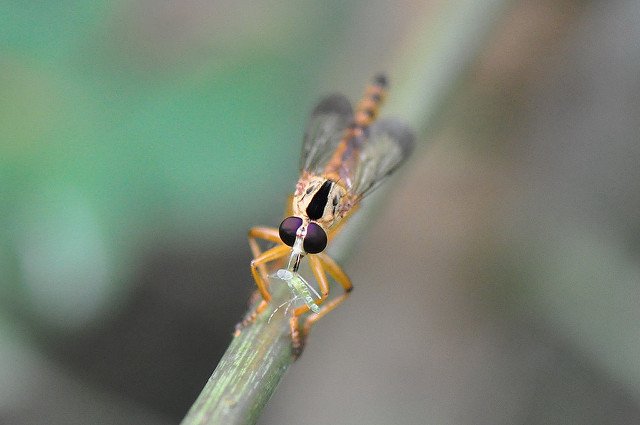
(249, 371)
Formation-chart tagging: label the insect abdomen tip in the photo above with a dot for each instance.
(380, 80)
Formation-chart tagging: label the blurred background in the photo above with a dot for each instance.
(497, 278)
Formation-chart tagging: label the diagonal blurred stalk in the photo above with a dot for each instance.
(256, 360)
(249, 371)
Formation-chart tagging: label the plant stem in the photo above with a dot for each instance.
(249, 371)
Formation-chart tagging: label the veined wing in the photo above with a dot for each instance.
(389, 144)
(323, 133)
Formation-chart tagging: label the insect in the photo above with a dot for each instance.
(300, 288)
(345, 156)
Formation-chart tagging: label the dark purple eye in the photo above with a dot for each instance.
(316, 239)
(288, 229)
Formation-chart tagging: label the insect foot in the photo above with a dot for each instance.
(297, 339)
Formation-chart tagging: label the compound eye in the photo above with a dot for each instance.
(288, 229)
(316, 239)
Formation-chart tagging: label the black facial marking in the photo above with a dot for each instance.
(315, 209)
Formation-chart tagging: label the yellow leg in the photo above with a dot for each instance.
(268, 234)
(335, 271)
(259, 269)
(323, 283)
(297, 340)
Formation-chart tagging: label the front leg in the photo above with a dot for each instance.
(268, 234)
(259, 267)
(321, 265)
(328, 265)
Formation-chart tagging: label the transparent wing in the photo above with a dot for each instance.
(325, 129)
(389, 144)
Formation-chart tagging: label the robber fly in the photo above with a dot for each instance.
(345, 155)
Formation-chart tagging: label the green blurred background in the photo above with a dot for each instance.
(140, 140)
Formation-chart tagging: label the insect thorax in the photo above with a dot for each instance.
(320, 199)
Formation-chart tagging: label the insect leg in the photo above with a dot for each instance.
(262, 282)
(297, 340)
(323, 284)
(298, 337)
(259, 270)
(269, 234)
(335, 271)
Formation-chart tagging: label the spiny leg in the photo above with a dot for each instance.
(320, 265)
(323, 284)
(297, 340)
(268, 234)
(258, 268)
(335, 271)
(297, 337)
(262, 282)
